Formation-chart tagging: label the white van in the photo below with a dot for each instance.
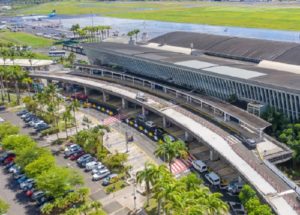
(213, 178)
(199, 165)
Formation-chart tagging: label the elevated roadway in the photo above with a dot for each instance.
(270, 187)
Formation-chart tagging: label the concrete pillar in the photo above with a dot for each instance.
(124, 103)
(240, 179)
(186, 136)
(225, 117)
(165, 90)
(164, 122)
(144, 112)
(213, 155)
(261, 134)
(105, 96)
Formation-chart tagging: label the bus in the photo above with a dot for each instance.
(57, 53)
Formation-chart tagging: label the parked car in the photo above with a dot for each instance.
(8, 166)
(92, 165)
(77, 155)
(235, 187)
(28, 182)
(18, 175)
(22, 112)
(14, 168)
(43, 199)
(37, 194)
(26, 115)
(213, 178)
(30, 192)
(42, 127)
(71, 147)
(100, 174)
(84, 162)
(5, 155)
(98, 168)
(107, 180)
(9, 159)
(199, 165)
(237, 208)
(72, 151)
(83, 158)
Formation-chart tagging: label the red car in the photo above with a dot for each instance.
(79, 96)
(30, 192)
(9, 159)
(76, 155)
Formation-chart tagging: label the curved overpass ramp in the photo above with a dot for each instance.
(269, 186)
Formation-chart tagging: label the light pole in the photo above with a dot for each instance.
(126, 141)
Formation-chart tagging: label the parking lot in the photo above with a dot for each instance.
(115, 203)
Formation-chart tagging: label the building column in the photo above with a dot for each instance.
(164, 122)
(186, 136)
(225, 117)
(105, 96)
(213, 155)
(124, 104)
(143, 111)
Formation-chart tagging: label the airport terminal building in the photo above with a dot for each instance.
(264, 72)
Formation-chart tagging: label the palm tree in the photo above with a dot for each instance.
(170, 150)
(4, 54)
(17, 74)
(136, 32)
(75, 28)
(30, 56)
(148, 175)
(27, 81)
(2, 73)
(74, 106)
(66, 117)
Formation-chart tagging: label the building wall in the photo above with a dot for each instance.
(213, 85)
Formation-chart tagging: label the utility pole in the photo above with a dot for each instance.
(126, 141)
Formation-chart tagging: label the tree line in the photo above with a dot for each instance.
(61, 183)
(91, 33)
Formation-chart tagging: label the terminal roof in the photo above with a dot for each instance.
(225, 68)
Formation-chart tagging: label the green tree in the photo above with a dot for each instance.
(246, 193)
(40, 165)
(74, 106)
(148, 175)
(3, 207)
(17, 142)
(6, 129)
(75, 28)
(115, 161)
(71, 58)
(28, 154)
(171, 150)
(58, 180)
(67, 116)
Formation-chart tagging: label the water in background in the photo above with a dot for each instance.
(156, 28)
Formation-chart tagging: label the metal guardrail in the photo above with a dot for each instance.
(280, 174)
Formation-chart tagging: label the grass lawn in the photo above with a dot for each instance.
(21, 38)
(273, 16)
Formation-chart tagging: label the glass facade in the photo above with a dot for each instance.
(213, 85)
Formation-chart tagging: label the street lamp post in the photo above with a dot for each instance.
(126, 141)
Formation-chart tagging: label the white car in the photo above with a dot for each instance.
(92, 165)
(199, 165)
(70, 147)
(101, 174)
(213, 178)
(98, 168)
